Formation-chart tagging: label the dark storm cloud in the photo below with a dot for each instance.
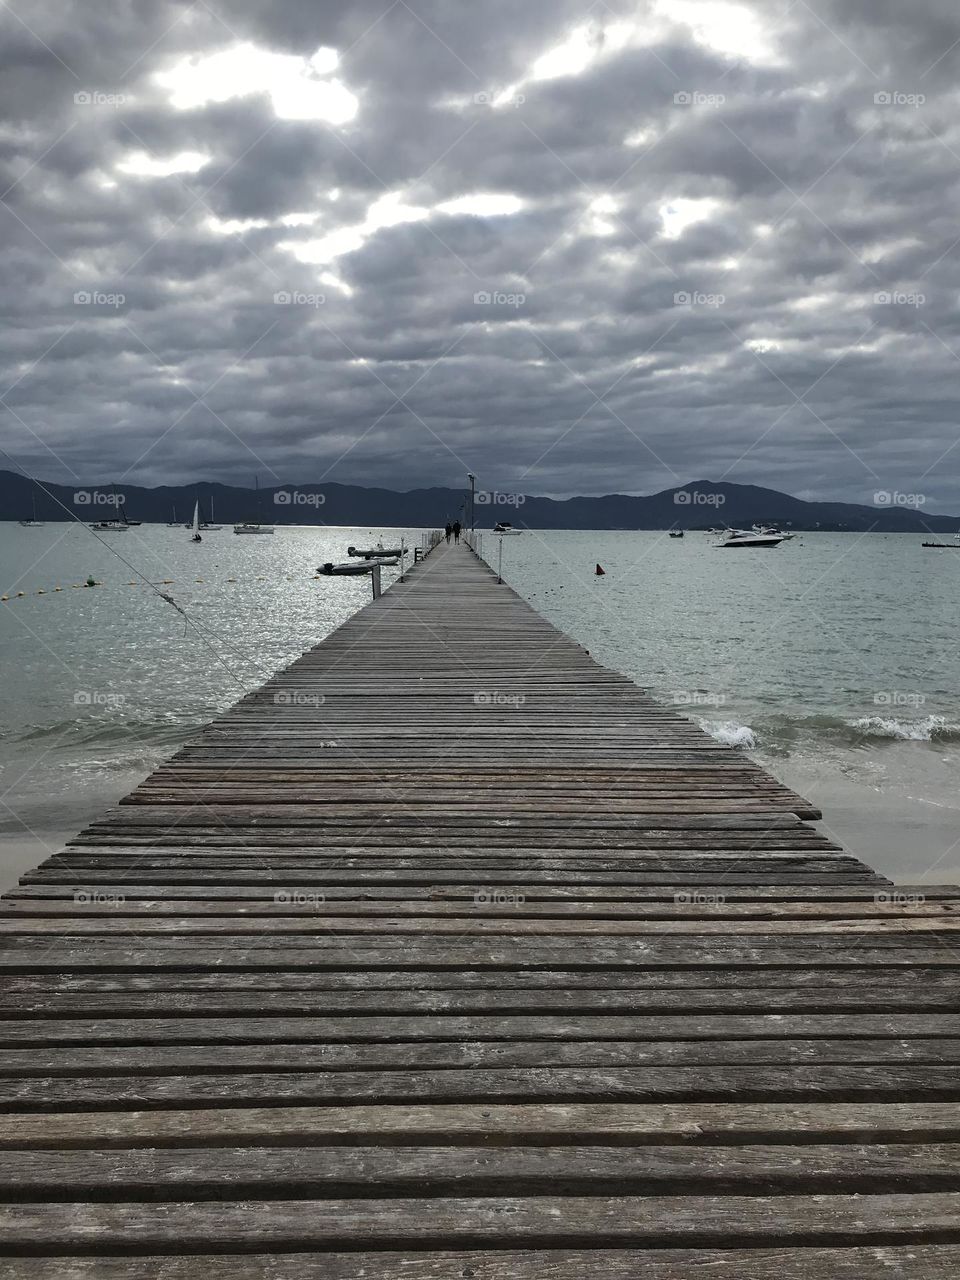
(801, 332)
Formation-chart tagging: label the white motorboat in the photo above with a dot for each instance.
(773, 531)
(504, 529)
(750, 538)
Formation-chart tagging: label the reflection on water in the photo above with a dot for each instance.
(102, 683)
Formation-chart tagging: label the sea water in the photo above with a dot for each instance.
(833, 658)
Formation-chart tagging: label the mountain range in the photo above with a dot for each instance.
(700, 504)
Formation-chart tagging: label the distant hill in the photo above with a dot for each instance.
(700, 504)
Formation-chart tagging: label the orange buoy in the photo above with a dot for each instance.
(600, 571)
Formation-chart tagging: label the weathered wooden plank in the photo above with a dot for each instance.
(463, 1222)
(312, 1172)
(164, 1059)
(860, 1082)
(585, 1124)
(898, 1262)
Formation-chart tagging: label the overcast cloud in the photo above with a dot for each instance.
(574, 249)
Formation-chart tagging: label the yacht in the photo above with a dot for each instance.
(503, 527)
(750, 538)
(773, 531)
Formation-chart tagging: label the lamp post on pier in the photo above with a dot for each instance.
(473, 479)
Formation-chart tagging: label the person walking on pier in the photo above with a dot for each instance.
(456, 530)
(448, 530)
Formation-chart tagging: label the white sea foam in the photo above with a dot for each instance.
(731, 733)
(925, 729)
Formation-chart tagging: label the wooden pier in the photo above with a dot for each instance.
(449, 953)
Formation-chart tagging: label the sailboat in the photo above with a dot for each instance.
(196, 524)
(174, 523)
(34, 523)
(119, 523)
(207, 525)
(254, 526)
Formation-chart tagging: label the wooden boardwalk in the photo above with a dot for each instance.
(449, 953)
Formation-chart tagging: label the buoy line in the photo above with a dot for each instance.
(158, 582)
(164, 596)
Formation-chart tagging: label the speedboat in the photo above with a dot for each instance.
(504, 528)
(750, 538)
(676, 533)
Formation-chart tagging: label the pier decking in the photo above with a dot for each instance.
(449, 953)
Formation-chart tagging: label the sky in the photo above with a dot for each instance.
(569, 248)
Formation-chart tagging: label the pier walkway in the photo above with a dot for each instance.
(449, 953)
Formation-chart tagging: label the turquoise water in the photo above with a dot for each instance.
(834, 658)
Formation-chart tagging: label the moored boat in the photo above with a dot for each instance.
(750, 538)
(348, 568)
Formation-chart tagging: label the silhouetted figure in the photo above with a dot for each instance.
(448, 530)
(456, 530)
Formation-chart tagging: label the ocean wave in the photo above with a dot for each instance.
(112, 727)
(926, 729)
(731, 733)
(784, 735)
